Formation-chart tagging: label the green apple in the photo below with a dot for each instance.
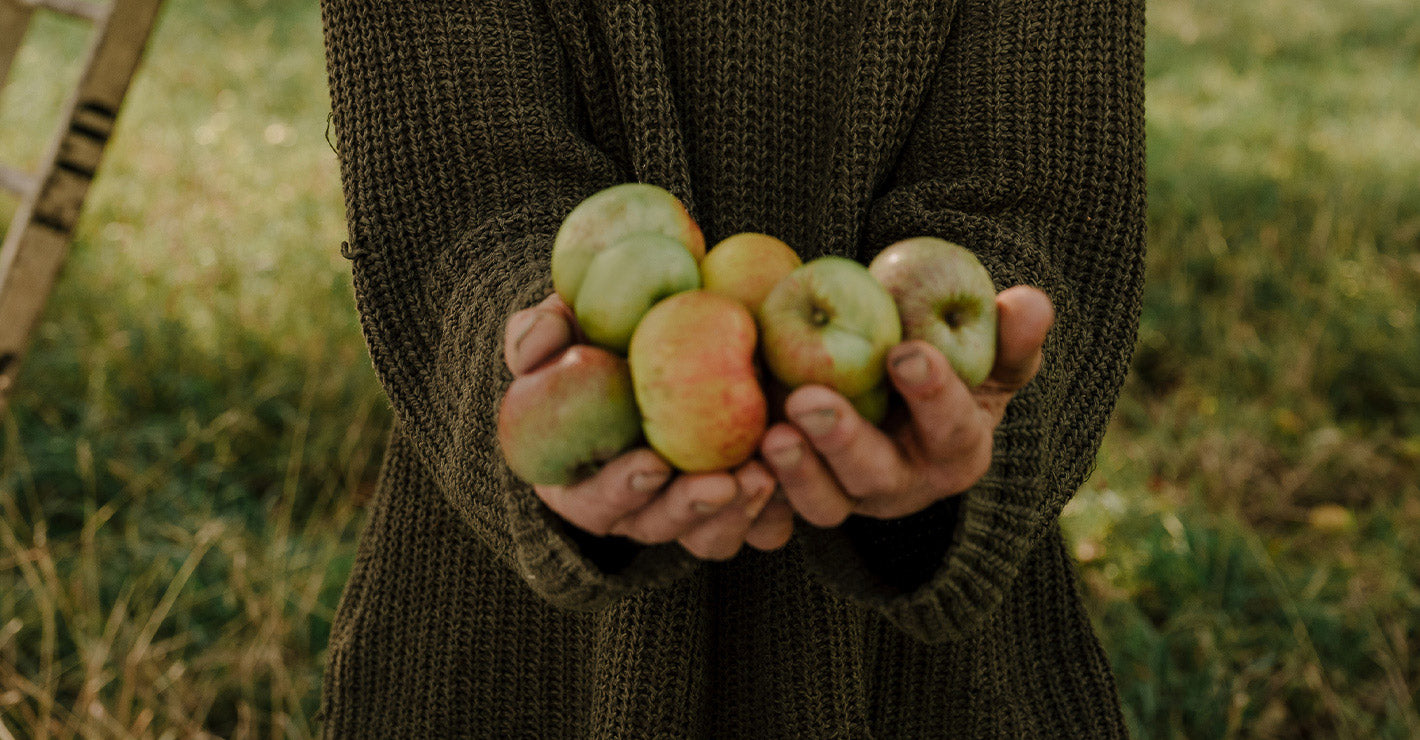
(873, 404)
(558, 424)
(692, 367)
(946, 298)
(829, 322)
(625, 280)
(608, 216)
(747, 266)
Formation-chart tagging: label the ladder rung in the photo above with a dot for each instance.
(15, 181)
(75, 8)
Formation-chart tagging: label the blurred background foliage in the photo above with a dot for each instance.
(183, 467)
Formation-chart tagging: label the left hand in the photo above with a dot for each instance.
(831, 462)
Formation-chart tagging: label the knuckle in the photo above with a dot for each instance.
(826, 516)
(773, 538)
(713, 548)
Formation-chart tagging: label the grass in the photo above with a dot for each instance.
(198, 419)
(182, 468)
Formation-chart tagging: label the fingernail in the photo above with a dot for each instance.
(711, 501)
(910, 368)
(818, 422)
(785, 457)
(645, 482)
(758, 501)
(518, 342)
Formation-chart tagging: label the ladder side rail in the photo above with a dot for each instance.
(14, 22)
(90, 11)
(37, 244)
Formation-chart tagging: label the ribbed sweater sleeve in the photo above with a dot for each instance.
(460, 154)
(1029, 151)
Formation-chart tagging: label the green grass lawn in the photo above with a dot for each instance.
(181, 468)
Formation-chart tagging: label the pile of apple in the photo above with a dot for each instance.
(679, 340)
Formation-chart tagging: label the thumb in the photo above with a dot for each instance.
(1024, 317)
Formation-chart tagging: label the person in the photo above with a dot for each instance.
(910, 581)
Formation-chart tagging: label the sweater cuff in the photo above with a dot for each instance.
(989, 540)
(575, 570)
(566, 566)
(954, 561)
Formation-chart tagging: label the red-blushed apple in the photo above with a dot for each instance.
(625, 280)
(746, 266)
(559, 423)
(946, 298)
(692, 367)
(829, 322)
(608, 216)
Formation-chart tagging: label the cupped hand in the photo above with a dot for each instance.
(832, 463)
(638, 494)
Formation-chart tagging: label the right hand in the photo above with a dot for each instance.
(638, 494)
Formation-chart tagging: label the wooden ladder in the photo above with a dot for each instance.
(37, 241)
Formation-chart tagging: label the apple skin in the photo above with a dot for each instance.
(692, 367)
(605, 218)
(746, 267)
(829, 322)
(946, 298)
(558, 424)
(625, 280)
(872, 405)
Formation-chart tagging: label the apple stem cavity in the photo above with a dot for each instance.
(957, 314)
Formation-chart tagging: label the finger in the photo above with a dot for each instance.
(808, 485)
(536, 334)
(946, 418)
(520, 321)
(773, 527)
(626, 484)
(1024, 317)
(756, 483)
(721, 536)
(687, 501)
(864, 460)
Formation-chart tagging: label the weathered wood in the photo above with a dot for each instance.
(14, 22)
(38, 240)
(92, 11)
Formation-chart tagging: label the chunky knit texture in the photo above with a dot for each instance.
(467, 131)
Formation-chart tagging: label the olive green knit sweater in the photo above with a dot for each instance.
(468, 130)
